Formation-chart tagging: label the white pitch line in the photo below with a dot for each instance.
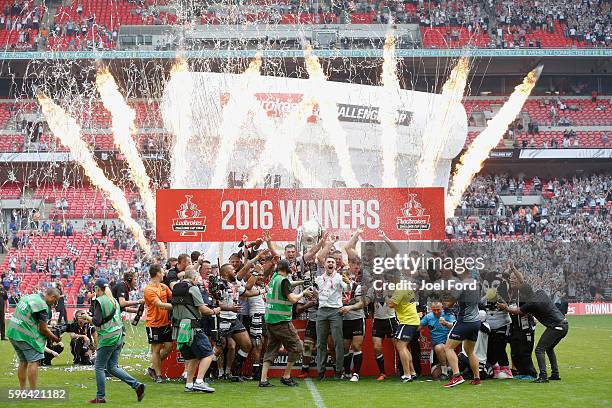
(315, 393)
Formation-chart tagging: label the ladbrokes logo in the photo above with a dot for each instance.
(189, 222)
(277, 105)
(414, 220)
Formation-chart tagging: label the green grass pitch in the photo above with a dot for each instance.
(585, 360)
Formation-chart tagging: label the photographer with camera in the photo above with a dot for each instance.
(188, 307)
(121, 292)
(28, 333)
(51, 351)
(111, 336)
(159, 331)
(83, 341)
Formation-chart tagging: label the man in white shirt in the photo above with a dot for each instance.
(330, 286)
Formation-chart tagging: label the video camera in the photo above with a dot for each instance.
(60, 329)
(216, 287)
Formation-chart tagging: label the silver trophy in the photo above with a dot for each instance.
(308, 235)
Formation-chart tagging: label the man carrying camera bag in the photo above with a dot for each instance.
(107, 319)
(28, 333)
(188, 307)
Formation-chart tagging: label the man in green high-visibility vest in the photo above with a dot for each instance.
(28, 333)
(107, 319)
(279, 302)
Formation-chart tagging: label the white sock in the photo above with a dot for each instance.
(198, 381)
(444, 369)
(189, 385)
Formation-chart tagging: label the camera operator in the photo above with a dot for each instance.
(28, 333)
(51, 351)
(187, 310)
(159, 331)
(542, 308)
(111, 336)
(121, 292)
(83, 341)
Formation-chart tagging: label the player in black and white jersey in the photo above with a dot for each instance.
(232, 332)
(384, 325)
(353, 323)
(257, 310)
(308, 307)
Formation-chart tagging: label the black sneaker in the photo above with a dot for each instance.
(339, 375)
(554, 377)
(151, 373)
(289, 382)
(140, 390)
(540, 380)
(322, 376)
(265, 384)
(237, 379)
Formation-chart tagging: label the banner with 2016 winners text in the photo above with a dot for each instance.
(225, 215)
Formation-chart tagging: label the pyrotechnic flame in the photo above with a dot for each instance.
(68, 131)
(234, 113)
(328, 111)
(388, 112)
(471, 162)
(180, 65)
(123, 124)
(437, 128)
(254, 66)
(182, 119)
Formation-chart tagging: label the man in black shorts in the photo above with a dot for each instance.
(231, 330)
(384, 325)
(353, 325)
(188, 307)
(308, 306)
(466, 328)
(159, 331)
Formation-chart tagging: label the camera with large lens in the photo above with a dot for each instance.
(216, 287)
(60, 329)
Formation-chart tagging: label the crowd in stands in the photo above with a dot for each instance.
(519, 23)
(577, 271)
(573, 210)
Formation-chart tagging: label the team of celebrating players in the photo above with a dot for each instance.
(221, 316)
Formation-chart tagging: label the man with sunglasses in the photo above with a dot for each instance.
(28, 333)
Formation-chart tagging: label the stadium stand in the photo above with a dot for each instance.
(450, 24)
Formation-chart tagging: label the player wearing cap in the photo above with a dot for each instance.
(279, 305)
(107, 319)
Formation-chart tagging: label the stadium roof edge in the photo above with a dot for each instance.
(355, 53)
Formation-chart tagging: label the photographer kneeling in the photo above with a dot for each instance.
(188, 307)
(107, 319)
(83, 341)
(28, 333)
